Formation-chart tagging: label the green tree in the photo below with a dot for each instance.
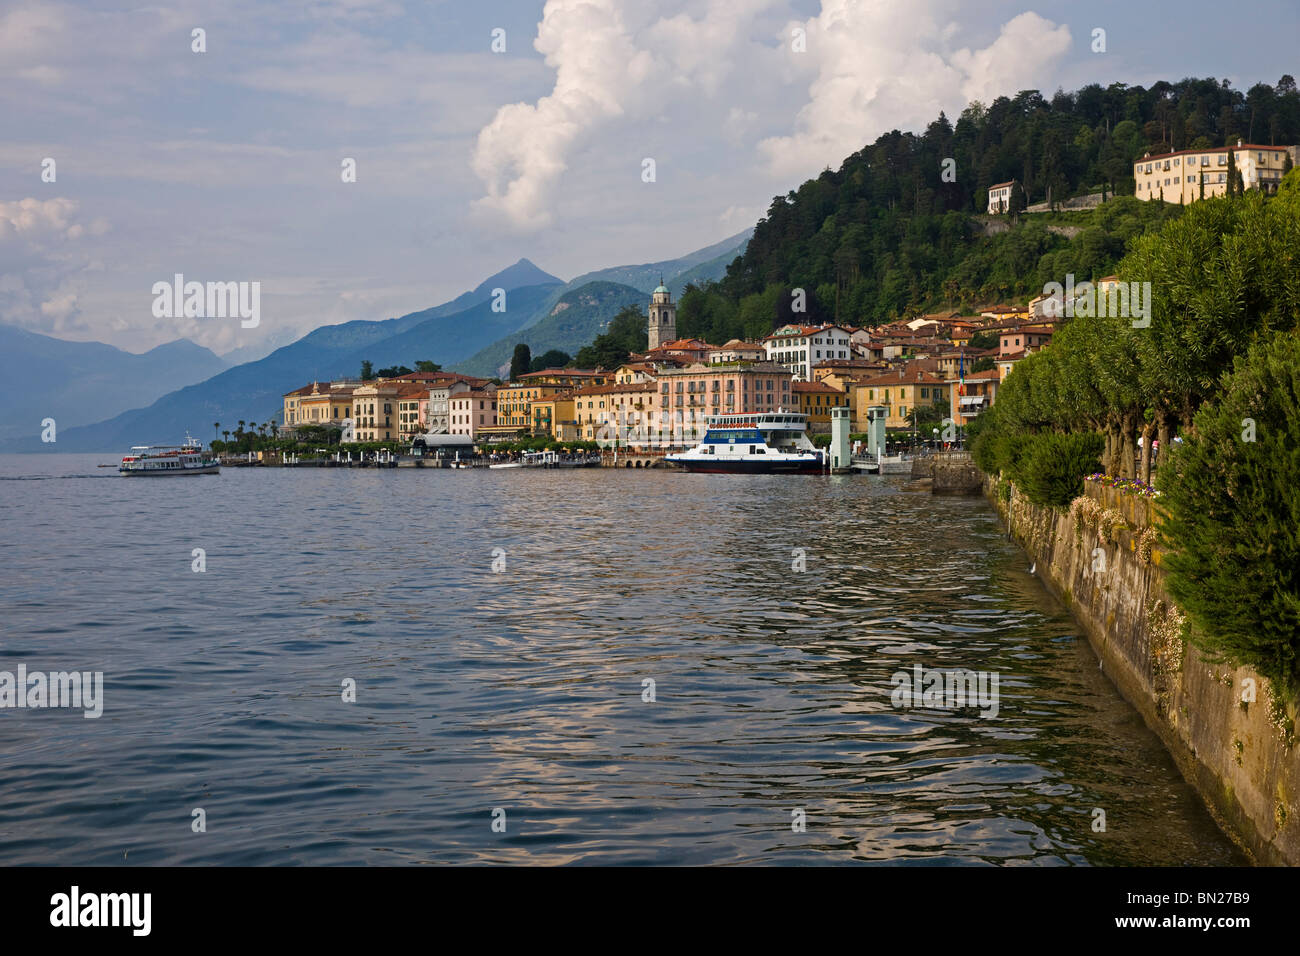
(626, 333)
(1056, 464)
(367, 371)
(1232, 497)
(552, 358)
(1017, 201)
(520, 361)
(424, 365)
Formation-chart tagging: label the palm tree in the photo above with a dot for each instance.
(215, 426)
(227, 434)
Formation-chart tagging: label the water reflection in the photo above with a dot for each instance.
(523, 690)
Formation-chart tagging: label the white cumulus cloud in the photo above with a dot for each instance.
(42, 266)
(612, 58)
(885, 66)
(867, 67)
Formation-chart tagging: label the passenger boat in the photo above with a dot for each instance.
(186, 459)
(532, 459)
(766, 443)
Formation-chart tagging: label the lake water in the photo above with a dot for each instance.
(524, 689)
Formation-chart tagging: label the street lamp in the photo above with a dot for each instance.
(936, 438)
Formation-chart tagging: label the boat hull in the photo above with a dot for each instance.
(213, 469)
(749, 467)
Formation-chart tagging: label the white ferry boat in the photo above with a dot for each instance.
(186, 459)
(763, 443)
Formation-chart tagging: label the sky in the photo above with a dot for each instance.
(226, 165)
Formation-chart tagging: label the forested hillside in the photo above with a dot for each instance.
(885, 235)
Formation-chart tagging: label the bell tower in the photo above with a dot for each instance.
(663, 316)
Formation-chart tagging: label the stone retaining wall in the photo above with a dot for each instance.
(1239, 754)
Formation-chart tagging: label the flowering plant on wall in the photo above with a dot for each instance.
(1131, 485)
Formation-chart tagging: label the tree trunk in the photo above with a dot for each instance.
(1126, 439)
(1111, 462)
(1147, 430)
(1165, 422)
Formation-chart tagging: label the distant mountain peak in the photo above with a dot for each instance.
(522, 273)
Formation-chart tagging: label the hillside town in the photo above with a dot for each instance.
(929, 372)
(933, 374)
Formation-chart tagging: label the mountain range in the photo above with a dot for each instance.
(581, 310)
(475, 333)
(79, 382)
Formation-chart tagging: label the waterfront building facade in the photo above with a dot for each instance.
(1183, 176)
(900, 392)
(972, 396)
(800, 348)
(320, 403)
(687, 396)
(514, 401)
(375, 404)
(606, 412)
(555, 416)
(471, 410)
(440, 393)
(412, 406)
(292, 400)
(816, 399)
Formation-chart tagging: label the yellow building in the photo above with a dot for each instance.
(604, 412)
(843, 375)
(900, 392)
(631, 372)
(412, 407)
(816, 399)
(331, 405)
(514, 401)
(320, 403)
(375, 405)
(1178, 177)
(554, 416)
(292, 401)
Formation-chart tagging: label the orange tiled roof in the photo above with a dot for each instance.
(901, 377)
(608, 389)
(821, 387)
(566, 372)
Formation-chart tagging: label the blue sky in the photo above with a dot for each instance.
(225, 165)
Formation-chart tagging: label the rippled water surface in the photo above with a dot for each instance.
(523, 690)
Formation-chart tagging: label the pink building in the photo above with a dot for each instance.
(687, 396)
(467, 412)
(1024, 338)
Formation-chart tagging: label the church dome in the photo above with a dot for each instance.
(662, 289)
